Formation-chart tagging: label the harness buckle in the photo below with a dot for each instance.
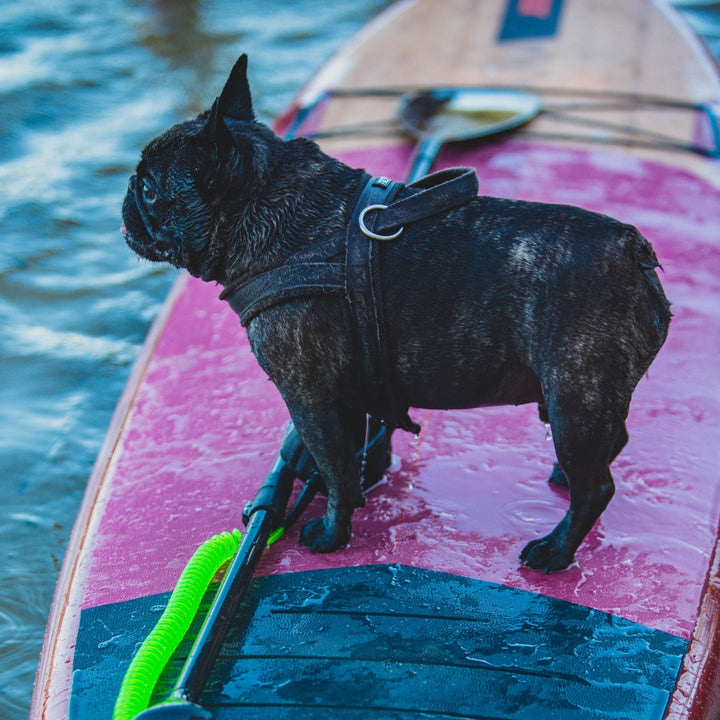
(375, 236)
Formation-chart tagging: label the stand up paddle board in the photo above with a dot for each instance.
(428, 612)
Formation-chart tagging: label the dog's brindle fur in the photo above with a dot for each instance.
(496, 302)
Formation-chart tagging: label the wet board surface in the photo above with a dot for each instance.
(199, 427)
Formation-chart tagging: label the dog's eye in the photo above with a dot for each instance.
(149, 194)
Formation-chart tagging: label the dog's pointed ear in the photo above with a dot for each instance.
(235, 102)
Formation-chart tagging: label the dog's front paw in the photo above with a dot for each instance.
(321, 536)
(546, 554)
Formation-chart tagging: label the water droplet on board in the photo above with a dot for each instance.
(114, 640)
(317, 597)
(394, 570)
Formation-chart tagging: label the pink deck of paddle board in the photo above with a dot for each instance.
(471, 490)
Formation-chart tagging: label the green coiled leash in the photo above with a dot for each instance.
(152, 656)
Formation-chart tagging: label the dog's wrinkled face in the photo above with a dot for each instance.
(170, 209)
(166, 218)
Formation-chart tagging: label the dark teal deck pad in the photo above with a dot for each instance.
(389, 641)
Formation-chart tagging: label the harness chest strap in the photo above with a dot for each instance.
(314, 271)
(363, 290)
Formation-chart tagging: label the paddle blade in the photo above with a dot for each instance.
(463, 114)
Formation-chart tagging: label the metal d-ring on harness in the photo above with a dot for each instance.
(384, 210)
(370, 233)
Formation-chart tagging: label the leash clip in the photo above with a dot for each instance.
(375, 236)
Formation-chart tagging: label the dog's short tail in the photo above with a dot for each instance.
(658, 306)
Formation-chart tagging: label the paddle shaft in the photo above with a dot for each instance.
(425, 153)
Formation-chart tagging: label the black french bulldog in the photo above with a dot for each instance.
(491, 302)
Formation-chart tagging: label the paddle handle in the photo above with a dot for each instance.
(274, 496)
(275, 490)
(422, 159)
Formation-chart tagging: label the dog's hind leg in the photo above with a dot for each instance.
(586, 442)
(557, 476)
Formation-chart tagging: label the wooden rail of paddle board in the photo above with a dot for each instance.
(614, 46)
(55, 666)
(697, 693)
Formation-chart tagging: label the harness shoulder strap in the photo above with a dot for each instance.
(439, 192)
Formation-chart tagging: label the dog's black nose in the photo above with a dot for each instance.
(131, 183)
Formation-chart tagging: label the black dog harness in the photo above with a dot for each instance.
(347, 264)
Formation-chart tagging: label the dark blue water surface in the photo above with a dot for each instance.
(83, 85)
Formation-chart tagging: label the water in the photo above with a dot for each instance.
(83, 84)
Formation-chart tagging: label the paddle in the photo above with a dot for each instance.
(436, 117)
(265, 512)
